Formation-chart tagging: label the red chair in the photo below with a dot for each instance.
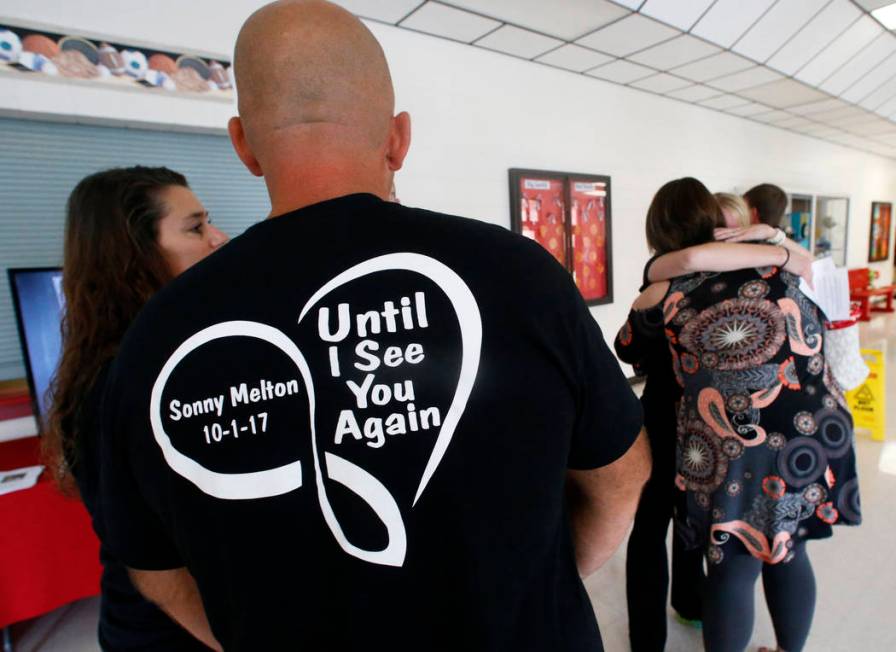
(860, 290)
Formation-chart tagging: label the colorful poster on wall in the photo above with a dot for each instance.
(51, 56)
(879, 240)
(868, 402)
(569, 215)
(542, 214)
(589, 237)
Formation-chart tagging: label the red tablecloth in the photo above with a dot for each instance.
(49, 554)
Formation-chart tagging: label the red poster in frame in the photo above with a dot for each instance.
(569, 215)
(543, 215)
(588, 209)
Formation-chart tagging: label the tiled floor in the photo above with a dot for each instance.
(855, 570)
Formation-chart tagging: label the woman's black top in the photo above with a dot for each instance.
(128, 622)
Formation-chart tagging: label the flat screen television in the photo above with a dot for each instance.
(38, 301)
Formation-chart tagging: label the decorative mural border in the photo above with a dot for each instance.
(66, 57)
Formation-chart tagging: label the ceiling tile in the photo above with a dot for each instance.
(694, 93)
(567, 20)
(888, 139)
(661, 83)
(872, 81)
(842, 115)
(860, 34)
(864, 62)
(622, 72)
(887, 108)
(723, 102)
(712, 67)
(727, 20)
(518, 42)
(773, 117)
(875, 128)
(805, 129)
(388, 11)
(631, 4)
(745, 79)
(879, 95)
(678, 13)
(628, 35)
(573, 57)
(818, 107)
(783, 93)
(796, 122)
(451, 23)
(746, 110)
(822, 131)
(871, 5)
(681, 50)
(814, 37)
(865, 118)
(778, 25)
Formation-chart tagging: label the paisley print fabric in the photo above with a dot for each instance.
(765, 441)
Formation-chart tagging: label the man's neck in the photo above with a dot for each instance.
(315, 165)
(293, 188)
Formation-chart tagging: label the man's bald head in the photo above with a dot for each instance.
(307, 62)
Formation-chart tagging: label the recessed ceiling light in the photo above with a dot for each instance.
(886, 15)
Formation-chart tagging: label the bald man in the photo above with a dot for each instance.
(362, 425)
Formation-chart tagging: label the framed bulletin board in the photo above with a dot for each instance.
(568, 214)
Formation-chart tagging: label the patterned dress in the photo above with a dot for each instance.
(765, 441)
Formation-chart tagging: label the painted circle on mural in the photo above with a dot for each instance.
(802, 461)
(743, 333)
(834, 431)
(848, 502)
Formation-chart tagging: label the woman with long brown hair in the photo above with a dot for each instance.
(764, 445)
(128, 232)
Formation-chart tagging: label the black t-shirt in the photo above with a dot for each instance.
(127, 620)
(352, 424)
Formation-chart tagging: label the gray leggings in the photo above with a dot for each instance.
(728, 610)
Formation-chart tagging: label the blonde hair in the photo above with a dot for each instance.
(735, 204)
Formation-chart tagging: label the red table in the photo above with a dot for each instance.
(49, 554)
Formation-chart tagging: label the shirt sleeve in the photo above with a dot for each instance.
(645, 280)
(609, 415)
(640, 336)
(130, 528)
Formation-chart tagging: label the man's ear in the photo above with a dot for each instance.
(399, 141)
(241, 146)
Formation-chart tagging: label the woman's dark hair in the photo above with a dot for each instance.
(683, 213)
(112, 265)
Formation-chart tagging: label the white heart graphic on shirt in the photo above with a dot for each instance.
(352, 476)
(288, 477)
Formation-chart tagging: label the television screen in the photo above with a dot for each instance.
(38, 299)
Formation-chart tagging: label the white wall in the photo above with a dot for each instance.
(476, 114)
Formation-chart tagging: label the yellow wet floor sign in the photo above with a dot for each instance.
(868, 401)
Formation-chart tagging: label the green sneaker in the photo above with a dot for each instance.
(696, 624)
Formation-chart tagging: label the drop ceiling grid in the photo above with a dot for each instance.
(674, 48)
